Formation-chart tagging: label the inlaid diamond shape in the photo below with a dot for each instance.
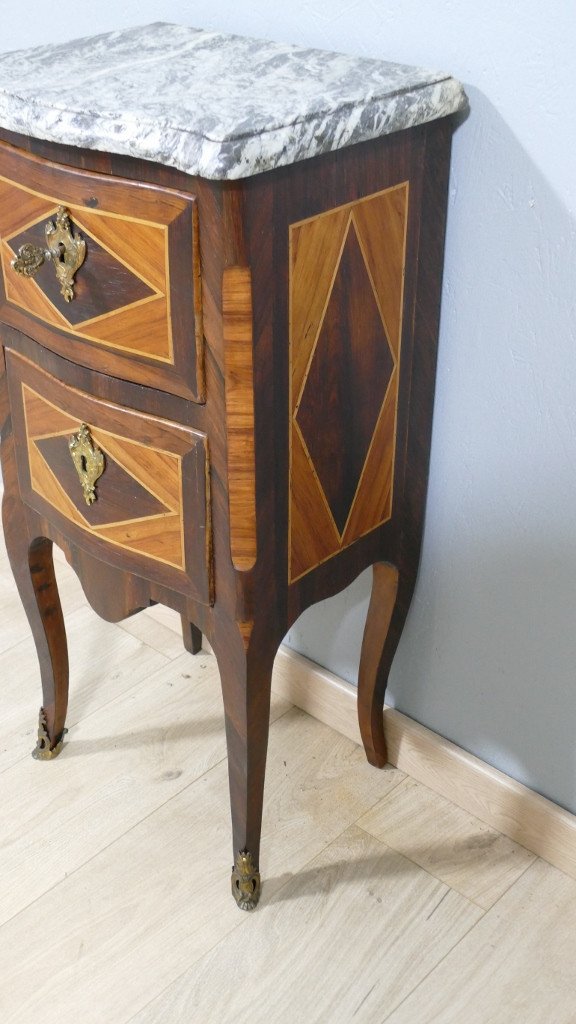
(102, 285)
(346, 383)
(119, 496)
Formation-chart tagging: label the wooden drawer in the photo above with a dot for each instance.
(151, 512)
(136, 309)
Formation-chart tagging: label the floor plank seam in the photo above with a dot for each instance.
(442, 881)
(291, 707)
(380, 798)
(241, 924)
(116, 839)
(223, 938)
(464, 936)
(521, 875)
(448, 953)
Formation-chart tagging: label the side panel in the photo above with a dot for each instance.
(346, 304)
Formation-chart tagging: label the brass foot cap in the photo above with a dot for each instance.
(246, 885)
(42, 751)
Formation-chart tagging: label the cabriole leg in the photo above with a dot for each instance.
(246, 678)
(50, 637)
(33, 569)
(382, 633)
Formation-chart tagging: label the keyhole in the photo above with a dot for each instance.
(83, 463)
(60, 252)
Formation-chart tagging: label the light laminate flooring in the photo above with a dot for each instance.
(382, 902)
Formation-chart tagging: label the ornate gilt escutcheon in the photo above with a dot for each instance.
(65, 249)
(245, 881)
(88, 460)
(42, 751)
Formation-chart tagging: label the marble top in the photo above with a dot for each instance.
(219, 106)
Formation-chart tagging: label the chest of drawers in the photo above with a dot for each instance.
(218, 357)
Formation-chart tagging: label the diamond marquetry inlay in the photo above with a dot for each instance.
(352, 357)
(119, 495)
(346, 301)
(103, 284)
(138, 503)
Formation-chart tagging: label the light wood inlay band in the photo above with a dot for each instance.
(237, 317)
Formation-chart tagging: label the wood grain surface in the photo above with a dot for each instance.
(238, 342)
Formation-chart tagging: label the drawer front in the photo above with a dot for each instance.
(136, 309)
(150, 512)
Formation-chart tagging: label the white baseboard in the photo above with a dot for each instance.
(531, 820)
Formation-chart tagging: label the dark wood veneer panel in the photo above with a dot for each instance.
(119, 494)
(103, 285)
(346, 382)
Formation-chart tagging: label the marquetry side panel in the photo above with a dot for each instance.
(136, 305)
(346, 300)
(151, 508)
(239, 383)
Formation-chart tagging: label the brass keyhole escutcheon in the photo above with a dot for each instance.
(66, 249)
(88, 460)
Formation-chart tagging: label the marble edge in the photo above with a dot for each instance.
(241, 156)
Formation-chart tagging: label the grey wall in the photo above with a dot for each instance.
(489, 652)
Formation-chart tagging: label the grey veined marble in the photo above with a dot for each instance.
(219, 106)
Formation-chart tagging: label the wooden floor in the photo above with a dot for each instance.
(381, 900)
